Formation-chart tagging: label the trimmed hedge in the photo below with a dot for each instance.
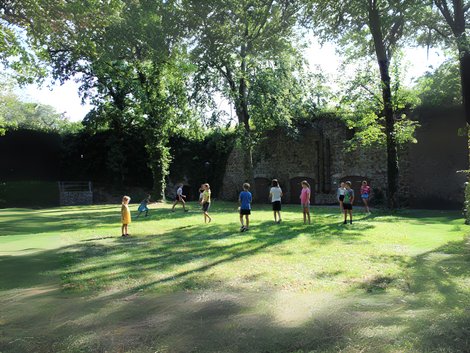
(29, 194)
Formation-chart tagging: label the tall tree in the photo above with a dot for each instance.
(142, 79)
(231, 40)
(449, 21)
(370, 27)
(126, 54)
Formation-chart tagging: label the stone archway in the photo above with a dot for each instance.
(296, 188)
(356, 182)
(262, 186)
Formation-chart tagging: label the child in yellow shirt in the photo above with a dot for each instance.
(206, 202)
(125, 215)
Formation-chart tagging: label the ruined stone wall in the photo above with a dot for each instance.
(428, 169)
(316, 153)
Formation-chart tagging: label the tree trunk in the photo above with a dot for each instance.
(465, 80)
(392, 150)
(244, 120)
(384, 63)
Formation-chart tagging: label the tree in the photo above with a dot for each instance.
(15, 113)
(231, 40)
(442, 86)
(449, 22)
(363, 28)
(127, 56)
(361, 106)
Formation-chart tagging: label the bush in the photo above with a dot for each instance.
(29, 194)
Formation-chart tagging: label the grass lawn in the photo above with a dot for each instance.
(387, 283)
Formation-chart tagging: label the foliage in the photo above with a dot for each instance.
(231, 42)
(282, 93)
(29, 194)
(361, 107)
(378, 29)
(440, 87)
(16, 113)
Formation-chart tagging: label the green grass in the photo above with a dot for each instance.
(387, 283)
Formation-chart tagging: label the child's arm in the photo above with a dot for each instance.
(271, 196)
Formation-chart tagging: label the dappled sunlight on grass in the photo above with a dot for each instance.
(386, 283)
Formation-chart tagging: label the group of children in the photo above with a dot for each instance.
(345, 196)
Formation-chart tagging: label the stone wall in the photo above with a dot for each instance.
(429, 175)
(73, 198)
(316, 154)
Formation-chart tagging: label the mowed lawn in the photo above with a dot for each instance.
(387, 283)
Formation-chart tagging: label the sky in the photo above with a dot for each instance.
(66, 100)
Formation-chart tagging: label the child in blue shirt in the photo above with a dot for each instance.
(245, 199)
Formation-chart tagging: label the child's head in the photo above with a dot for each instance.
(125, 200)
(342, 184)
(305, 184)
(364, 182)
(206, 186)
(275, 183)
(246, 186)
(348, 185)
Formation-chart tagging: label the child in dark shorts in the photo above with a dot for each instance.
(206, 203)
(340, 195)
(245, 199)
(348, 202)
(275, 194)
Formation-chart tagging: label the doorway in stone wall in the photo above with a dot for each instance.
(296, 188)
(356, 182)
(262, 186)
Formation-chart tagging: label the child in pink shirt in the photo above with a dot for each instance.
(365, 195)
(305, 200)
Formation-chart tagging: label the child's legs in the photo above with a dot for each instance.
(341, 205)
(350, 215)
(308, 214)
(241, 219)
(247, 220)
(345, 214)
(122, 229)
(275, 216)
(279, 215)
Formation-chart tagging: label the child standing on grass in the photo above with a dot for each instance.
(179, 198)
(245, 199)
(348, 202)
(340, 195)
(125, 215)
(305, 200)
(143, 207)
(365, 195)
(206, 202)
(275, 194)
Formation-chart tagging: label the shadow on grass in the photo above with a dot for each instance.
(430, 314)
(217, 321)
(66, 219)
(434, 306)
